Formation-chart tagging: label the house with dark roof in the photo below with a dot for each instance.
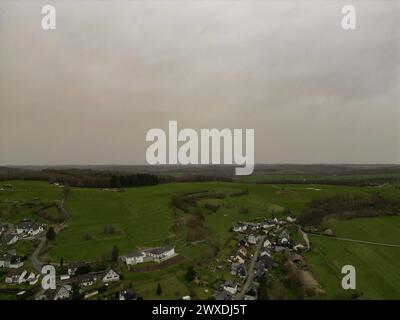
(74, 267)
(134, 257)
(28, 227)
(59, 293)
(158, 254)
(161, 253)
(11, 261)
(85, 280)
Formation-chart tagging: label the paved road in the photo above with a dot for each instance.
(250, 277)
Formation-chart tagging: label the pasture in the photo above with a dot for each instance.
(377, 266)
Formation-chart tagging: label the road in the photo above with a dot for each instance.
(356, 241)
(305, 238)
(34, 258)
(250, 277)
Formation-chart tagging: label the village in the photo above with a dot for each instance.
(75, 279)
(257, 247)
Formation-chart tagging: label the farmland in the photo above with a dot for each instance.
(377, 266)
(143, 217)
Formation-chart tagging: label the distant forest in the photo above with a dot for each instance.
(348, 206)
(84, 178)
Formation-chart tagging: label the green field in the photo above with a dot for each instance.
(143, 217)
(377, 266)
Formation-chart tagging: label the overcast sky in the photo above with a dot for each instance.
(87, 92)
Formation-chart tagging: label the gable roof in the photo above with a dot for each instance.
(160, 250)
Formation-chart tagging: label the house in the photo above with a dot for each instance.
(266, 225)
(267, 244)
(241, 271)
(265, 252)
(284, 234)
(73, 268)
(299, 247)
(156, 254)
(243, 251)
(9, 239)
(86, 280)
(16, 276)
(242, 243)
(110, 275)
(59, 293)
(239, 228)
(239, 258)
(134, 258)
(161, 253)
(230, 287)
(252, 239)
(290, 219)
(11, 260)
(234, 268)
(127, 295)
(27, 226)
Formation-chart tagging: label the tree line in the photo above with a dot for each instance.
(348, 206)
(85, 178)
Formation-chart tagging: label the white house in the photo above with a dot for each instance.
(134, 258)
(267, 244)
(28, 227)
(290, 219)
(161, 253)
(252, 239)
(156, 254)
(298, 247)
(239, 258)
(239, 228)
(110, 275)
(231, 287)
(265, 253)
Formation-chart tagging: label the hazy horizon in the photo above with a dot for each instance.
(87, 92)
